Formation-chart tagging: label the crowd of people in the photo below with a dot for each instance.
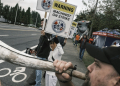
(104, 71)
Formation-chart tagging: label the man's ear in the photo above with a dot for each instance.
(117, 81)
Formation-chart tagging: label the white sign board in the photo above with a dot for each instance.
(73, 29)
(44, 5)
(60, 19)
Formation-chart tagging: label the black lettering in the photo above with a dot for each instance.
(54, 14)
(59, 16)
(62, 6)
(74, 24)
(68, 19)
(59, 5)
(68, 9)
(57, 12)
(65, 8)
(72, 10)
(63, 17)
(55, 4)
(54, 11)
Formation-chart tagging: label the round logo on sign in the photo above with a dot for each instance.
(58, 26)
(46, 4)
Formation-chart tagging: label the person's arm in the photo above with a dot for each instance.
(42, 33)
(63, 78)
(65, 40)
(60, 49)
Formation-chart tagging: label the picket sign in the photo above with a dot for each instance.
(60, 18)
(73, 29)
(44, 5)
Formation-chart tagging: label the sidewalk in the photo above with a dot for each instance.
(71, 54)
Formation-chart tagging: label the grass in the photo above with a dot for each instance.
(87, 59)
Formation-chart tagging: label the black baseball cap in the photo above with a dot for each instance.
(109, 55)
(54, 39)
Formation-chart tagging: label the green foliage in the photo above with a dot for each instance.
(23, 17)
(87, 59)
(107, 15)
(6, 11)
(1, 8)
(36, 16)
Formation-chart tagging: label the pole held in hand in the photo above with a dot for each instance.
(17, 57)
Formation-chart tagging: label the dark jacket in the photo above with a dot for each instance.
(61, 40)
(43, 48)
(83, 46)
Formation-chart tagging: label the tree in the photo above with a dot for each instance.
(106, 16)
(19, 15)
(38, 20)
(1, 8)
(23, 16)
(34, 17)
(28, 16)
(6, 12)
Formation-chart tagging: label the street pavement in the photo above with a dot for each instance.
(72, 55)
(21, 37)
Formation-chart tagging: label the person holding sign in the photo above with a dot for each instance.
(56, 53)
(43, 51)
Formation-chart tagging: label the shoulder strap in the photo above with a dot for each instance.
(53, 58)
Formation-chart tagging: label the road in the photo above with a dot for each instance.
(18, 37)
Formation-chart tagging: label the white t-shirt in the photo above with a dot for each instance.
(56, 54)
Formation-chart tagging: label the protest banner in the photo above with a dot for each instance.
(60, 18)
(73, 29)
(44, 5)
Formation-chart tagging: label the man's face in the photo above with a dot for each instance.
(84, 36)
(100, 74)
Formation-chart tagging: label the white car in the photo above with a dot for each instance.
(40, 28)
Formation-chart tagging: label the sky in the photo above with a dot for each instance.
(32, 4)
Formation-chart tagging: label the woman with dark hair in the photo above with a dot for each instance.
(82, 46)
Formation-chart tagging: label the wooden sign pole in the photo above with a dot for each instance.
(44, 21)
(17, 57)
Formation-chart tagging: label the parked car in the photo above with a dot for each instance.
(40, 28)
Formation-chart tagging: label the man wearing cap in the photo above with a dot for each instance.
(104, 71)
